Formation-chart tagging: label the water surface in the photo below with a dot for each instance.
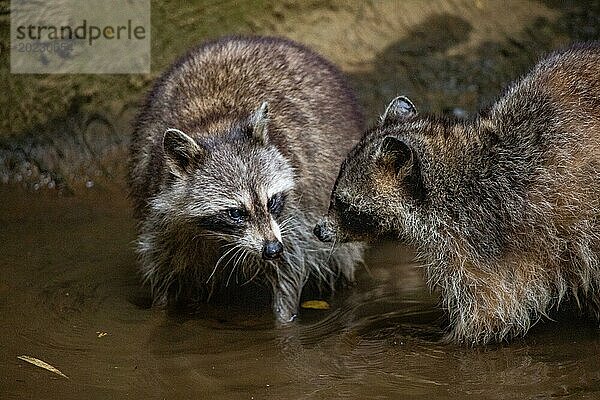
(70, 296)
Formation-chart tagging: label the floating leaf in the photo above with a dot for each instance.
(315, 305)
(39, 363)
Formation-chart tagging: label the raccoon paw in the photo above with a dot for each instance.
(285, 308)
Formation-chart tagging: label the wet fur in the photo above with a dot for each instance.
(211, 94)
(506, 215)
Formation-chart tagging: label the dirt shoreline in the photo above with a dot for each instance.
(68, 132)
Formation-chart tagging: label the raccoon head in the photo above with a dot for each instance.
(236, 186)
(379, 181)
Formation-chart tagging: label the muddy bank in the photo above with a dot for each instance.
(69, 132)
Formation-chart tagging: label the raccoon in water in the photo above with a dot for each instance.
(504, 209)
(231, 161)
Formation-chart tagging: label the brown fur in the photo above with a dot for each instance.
(504, 208)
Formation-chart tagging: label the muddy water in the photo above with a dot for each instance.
(69, 295)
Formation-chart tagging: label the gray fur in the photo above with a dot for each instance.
(505, 209)
(229, 125)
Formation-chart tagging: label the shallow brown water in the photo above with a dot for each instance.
(68, 276)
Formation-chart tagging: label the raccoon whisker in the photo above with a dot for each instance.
(256, 272)
(249, 265)
(290, 221)
(215, 235)
(287, 230)
(237, 255)
(159, 283)
(287, 235)
(292, 230)
(196, 237)
(287, 221)
(240, 261)
(293, 223)
(312, 250)
(210, 291)
(230, 244)
(332, 248)
(223, 235)
(322, 276)
(200, 235)
(236, 246)
(284, 224)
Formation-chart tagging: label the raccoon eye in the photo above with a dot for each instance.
(236, 214)
(275, 204)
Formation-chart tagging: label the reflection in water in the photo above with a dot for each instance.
(68, 276)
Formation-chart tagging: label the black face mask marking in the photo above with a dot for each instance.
(276, 204)
(231, 221)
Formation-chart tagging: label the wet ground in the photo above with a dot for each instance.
(69, 295)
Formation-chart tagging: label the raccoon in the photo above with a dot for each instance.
(504, 208)
(231, 161)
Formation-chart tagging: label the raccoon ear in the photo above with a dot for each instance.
(181, 151)
(399, 108)
(258, 123)
(397, 155)
(395, 152)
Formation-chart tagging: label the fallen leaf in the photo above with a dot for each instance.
(39, 363)
(315, 305)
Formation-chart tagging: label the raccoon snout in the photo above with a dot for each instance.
(272, 250)
(324, 231)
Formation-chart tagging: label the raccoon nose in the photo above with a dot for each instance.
(323, 232)
(272, 249)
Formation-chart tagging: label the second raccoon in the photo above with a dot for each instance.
(505, 209)
(231, 159)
